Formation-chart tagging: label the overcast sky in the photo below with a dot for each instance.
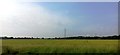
(48, 19)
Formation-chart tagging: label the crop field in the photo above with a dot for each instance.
(37, 46)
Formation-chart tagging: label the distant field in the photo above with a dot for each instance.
(59, 46)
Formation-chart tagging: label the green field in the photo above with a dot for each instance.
(59, 46)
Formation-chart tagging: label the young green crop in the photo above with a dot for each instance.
(60, 46)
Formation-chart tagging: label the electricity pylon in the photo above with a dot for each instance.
(65, 32)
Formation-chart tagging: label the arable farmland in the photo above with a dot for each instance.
(59, 46)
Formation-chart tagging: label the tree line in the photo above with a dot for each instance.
(77, 37)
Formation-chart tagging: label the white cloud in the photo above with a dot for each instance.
(33, 20)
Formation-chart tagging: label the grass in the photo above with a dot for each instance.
(0, 46)
(37, 46)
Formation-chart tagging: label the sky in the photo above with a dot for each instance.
(68, 0)
(49, 19)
